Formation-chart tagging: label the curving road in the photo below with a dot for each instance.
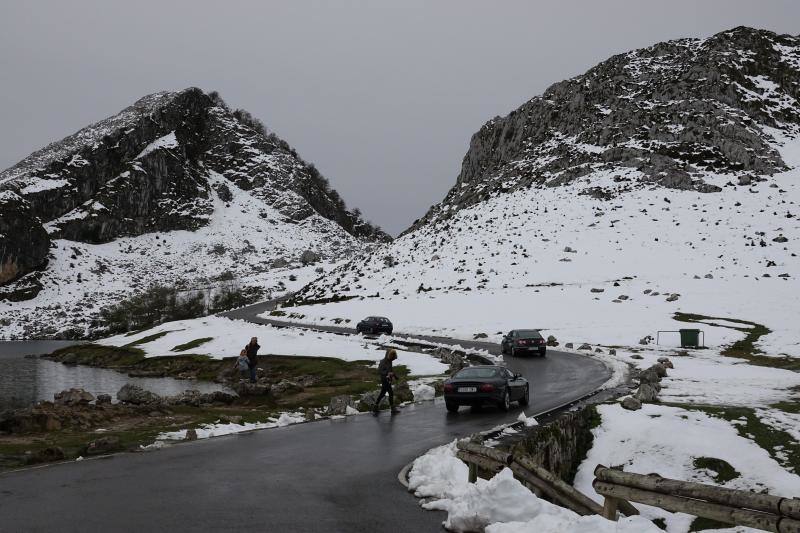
(327, 476)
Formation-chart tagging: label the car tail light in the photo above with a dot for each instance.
(448, 387)
(520, 343)
(487, 387)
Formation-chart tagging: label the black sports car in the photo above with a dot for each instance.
(375, 325)
(523, 342)
(477, 385)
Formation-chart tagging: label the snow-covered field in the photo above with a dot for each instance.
(228, 337)
(491, 267)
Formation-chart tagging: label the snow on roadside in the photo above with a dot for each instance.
(219, 429)
(423, 392)
(666, 440)
(500, 505)
(229, 336)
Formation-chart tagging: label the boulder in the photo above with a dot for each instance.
(367, 401)
(219, 396)
(660, 370)
(672, 297)
(780, 238)
(338, 404)
(103, 445)
(612, 351)
(230, 419)
(631, 404)
(73, 397)
(188, 397)
(666, 362)
(649, 375)
(568, 345)
(280, 263)
(191, 434)
(636, 356)
(103, 399)
(246, 388)
(598, 350)
(136, 395)
(285, 387)
(552, 341)
(584, 346)
(47, 455)
(647, 393)
(309, 258)
(596, 290)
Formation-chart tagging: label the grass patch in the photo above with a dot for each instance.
(744, 348)
(749, 426)
(701, 524)
(149, 338)
(723, 470)
(133, 431)
(191, 344)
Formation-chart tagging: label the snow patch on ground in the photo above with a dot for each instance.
(499, 505)
(219, 429)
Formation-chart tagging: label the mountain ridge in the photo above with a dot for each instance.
(164, 172)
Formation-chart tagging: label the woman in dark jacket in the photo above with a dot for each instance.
(252, 356)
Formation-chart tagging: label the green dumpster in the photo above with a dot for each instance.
(690, 338)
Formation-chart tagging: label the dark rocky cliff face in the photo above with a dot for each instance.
(24, 241)
(157, 166)
(674, 111)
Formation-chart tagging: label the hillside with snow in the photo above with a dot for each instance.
(665, 180)
(177, 190)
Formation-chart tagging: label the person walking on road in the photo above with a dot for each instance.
(252, 357)
(387, 378)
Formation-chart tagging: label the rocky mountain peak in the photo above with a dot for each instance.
(146, 195)
(676, 111)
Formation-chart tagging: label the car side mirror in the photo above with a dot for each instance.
(517, 376)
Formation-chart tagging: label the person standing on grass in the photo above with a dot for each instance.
(387, 377)
(252, 356)
(243, 365)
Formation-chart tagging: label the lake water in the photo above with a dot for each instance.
(23, 381)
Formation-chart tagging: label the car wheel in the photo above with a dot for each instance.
(526, 398)
(513, 352)
(505, 403)
(451, 407)
(542, 353)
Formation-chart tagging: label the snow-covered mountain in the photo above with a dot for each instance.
(665, 179)
(177, 189)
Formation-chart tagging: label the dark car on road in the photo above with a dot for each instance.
(523, 342)
(375, 325)
(478, 385)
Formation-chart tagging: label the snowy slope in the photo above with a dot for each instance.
(489, 259)
(176, 190)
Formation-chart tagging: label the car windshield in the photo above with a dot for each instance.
(529, 334)
(476, 372)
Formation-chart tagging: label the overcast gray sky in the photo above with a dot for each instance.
(382, 96)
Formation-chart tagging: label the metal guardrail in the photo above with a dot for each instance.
(736, 507)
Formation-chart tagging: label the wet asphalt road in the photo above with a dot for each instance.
(325, 476)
